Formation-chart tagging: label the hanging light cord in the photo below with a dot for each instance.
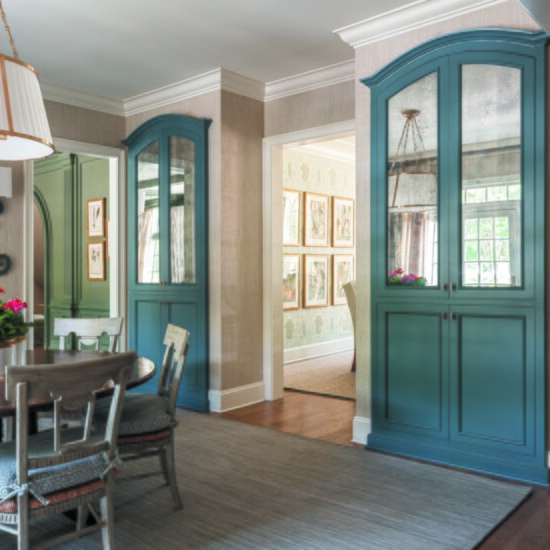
(7, 27)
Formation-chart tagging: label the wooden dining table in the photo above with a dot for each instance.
(143, 370)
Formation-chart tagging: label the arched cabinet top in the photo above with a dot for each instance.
(487, 40)
(172, 124)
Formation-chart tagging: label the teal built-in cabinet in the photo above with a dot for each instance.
(458, 289)
(63, 183)
(168, 245)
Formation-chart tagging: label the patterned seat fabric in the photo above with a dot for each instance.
(141, 413)
(54, 478)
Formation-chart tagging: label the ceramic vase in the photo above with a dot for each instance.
(7, 354)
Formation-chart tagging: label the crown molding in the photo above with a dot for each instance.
(311, 80)
(85, 100)
(410, 17)
(218, 79)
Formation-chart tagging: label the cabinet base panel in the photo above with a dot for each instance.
(463, 459)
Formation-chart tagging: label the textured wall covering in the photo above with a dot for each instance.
(305, 171)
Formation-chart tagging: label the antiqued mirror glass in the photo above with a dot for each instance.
(491, 176)
(413, 185)
(148, 214)
(182, 210)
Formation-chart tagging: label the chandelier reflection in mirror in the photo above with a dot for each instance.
(24, 129)
(415, 184)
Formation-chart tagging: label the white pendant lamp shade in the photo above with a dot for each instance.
(24, 130)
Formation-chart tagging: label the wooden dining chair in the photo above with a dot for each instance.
(88, 332)
(62, 469)
(148, 421)
(351, 291)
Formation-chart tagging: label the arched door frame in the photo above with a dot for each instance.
(117, 226)
(273, 246)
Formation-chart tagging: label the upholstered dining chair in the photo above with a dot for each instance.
(88, 332)
(147, 422)
(350, 291)
(62, 469)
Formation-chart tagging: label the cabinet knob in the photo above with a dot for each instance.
(443, 287)
(443, 316)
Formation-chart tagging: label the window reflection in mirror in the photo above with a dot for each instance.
(148, 214)
(491, 176)
(413, 184)
(182, 210)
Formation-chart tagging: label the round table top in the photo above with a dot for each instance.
(144, 369)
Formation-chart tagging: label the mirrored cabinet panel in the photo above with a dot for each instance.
(413, 184)
(148, 214)
(491, 176)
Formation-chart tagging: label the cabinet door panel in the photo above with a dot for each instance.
(413, 383)
(492, 378)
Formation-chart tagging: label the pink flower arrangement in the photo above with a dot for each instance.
(12, 322)
(398, 277)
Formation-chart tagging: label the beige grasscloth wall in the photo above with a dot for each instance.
(368, 60)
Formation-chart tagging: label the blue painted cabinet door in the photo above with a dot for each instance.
(458, 253)
(168, 245)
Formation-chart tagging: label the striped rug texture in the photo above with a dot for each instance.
(246, 487)
(326, 375)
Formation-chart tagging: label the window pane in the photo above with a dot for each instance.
(148, 214)
(491, 174)
(413, 184)
(182, 209)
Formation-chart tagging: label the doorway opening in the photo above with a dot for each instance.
(305, 315)
(111, 165)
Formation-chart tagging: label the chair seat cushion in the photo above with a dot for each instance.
(141, 413)
(53, 478)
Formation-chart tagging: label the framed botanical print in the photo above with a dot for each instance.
(342, 272)
(316, 219)
(291, 217)
(343, 221)
(291, 281)
(96, 261)
(95, 215)
(315, 280)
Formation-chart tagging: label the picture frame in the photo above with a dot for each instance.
(316, 228)
(343, 222)
(291, 281)
(95, 218)
(315, 280)
(96, 261)
(291, 217)
(343, 270)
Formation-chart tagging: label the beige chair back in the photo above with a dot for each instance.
(350, 291)
(176, 340)
(88, 332)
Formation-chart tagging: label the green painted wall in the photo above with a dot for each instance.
(63, 183)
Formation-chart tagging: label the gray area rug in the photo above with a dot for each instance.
(246, 487)
(326, 375)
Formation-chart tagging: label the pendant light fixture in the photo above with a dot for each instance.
(24, 129)
(412, 169)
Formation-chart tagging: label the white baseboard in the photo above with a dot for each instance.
(361, 429)
(235, 398)
(317, 350)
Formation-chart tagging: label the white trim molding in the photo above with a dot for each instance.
(408, 18)
(317, 350)
(85, 100)
(311, 80)
(218, 79)
(235, 398)
(361, 429)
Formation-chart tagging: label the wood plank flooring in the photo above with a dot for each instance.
(330, 419)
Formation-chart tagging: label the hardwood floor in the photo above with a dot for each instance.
(330, 419)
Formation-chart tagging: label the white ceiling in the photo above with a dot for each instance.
(122, 48)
